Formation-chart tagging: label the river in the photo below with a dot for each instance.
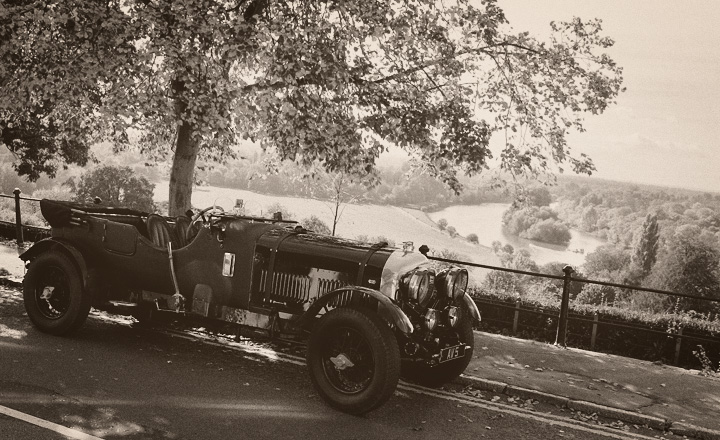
(485, 220)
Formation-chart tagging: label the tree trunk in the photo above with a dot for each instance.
(182, 172)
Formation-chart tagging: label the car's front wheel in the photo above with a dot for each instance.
(53, 293)
(354, 360)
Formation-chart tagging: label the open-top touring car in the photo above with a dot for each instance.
(369, 313)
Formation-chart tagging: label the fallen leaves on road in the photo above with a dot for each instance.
(594, 418)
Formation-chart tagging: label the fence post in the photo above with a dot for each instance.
(561, 337)
(678, 343)
(18, 219)
(517, 316)
(593, 338)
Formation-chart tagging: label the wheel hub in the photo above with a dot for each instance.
(341, 362)
(47, 292)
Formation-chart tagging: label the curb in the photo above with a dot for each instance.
(693, 431)
(677, 428)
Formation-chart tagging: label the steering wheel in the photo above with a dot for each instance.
(214, 209)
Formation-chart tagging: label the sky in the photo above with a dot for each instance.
(665, 129)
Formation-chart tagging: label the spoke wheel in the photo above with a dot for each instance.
(53, 294)
(354, 360)
(348, 361)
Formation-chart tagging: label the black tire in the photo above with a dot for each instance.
(434, 376)
(68, 304)
(354, 360)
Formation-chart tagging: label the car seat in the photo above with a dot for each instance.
(159, 231)
(182, 227)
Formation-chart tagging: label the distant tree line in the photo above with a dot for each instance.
(660, 238)
(402, 186)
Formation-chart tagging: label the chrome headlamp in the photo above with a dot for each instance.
(420, 286)
(431, 319)
(455, 282)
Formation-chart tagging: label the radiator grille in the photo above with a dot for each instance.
(295, 288)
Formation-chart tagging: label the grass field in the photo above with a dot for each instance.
(394, 223)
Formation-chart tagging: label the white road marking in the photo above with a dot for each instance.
(550, 419)
(64, 430)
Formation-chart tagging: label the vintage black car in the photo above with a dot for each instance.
(368, 313)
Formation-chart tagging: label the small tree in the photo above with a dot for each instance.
(646, 247)
(442, 224)
(473, 238)
(116, 186)
(313, 223)
(340, 197)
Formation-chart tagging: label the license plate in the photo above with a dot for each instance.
(450, 353)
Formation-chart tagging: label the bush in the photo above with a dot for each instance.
(277, 207)
(373, 240)
(549, 231)
(442, 224)
(473, 238)
(313, 223)
(536, 223)
(631, 342)
(116, 186)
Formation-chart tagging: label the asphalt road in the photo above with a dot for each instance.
(115, 380)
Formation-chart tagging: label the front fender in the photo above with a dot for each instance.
(472, 307)
(71, 251)
(395, 315)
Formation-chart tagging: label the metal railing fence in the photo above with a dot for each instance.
(19, 228)
(563, 316)
(567, 278)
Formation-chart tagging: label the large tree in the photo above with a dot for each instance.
(328, 83)
(689, 264)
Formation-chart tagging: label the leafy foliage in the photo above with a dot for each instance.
(116, 186)
(536, 223)
(646, 248)
(672, 232)
(316, 83)
(689, 264)
(313, 223)
(500, 281)
(374, 240)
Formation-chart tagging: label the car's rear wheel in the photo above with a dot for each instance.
(53, 293)
(353, 360)
(437, 375)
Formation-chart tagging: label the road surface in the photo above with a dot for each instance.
(113, 379)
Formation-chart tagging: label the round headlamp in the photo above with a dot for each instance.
(419, 286)
(453, 317)
(431, 319)
(456, 282)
